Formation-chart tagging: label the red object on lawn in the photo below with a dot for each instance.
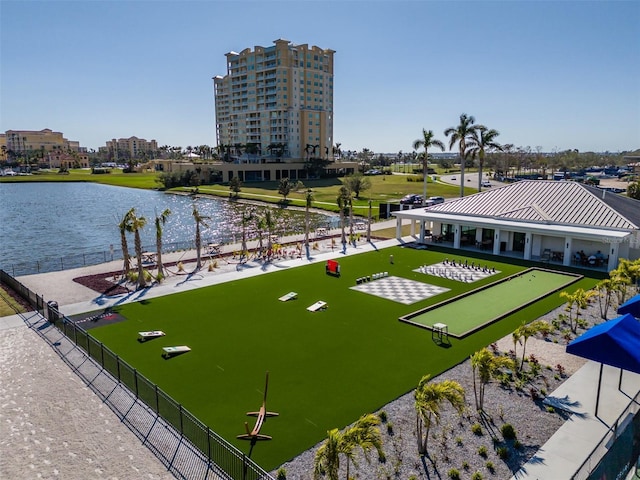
(333, 267)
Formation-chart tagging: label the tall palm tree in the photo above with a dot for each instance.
(308, 202)
(427, 141)
(136, 224)
(428, 399)
(461, 135)
(200, 220)
(160, 221)
(342, 202)
(483, 139)
(485, 364)
(247, 218)
(269, 223)
(125, 227)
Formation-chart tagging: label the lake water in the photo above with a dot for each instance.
(53, 226)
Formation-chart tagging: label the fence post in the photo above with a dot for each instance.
(102, 354)
(157, 402)
(135, 378)
(180, 410)
(61, 264)
(118, 367)
(209, 444)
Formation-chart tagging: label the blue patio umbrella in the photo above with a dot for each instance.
(616, 343)
(631, 306)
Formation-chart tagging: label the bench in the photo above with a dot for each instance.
(288, 296)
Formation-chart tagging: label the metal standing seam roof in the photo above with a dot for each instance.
(557, 202)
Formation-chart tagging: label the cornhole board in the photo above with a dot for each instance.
(319, 305)
(288, 296)
(168, 352)
(150, 335)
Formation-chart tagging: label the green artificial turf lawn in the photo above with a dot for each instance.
(326, 368)
(482, 307)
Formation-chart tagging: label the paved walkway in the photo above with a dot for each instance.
(565, 452)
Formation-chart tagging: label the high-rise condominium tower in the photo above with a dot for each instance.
(275, 104)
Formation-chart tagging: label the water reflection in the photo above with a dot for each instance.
(46, 222)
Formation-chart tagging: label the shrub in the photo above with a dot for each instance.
(503, 453)
(454, 474)
(517, 445)
(476, 428)
(458, 440)
(281, 474)
(550, 409)
(465, 465)
(382, 416)
(477, 476)
(560, 369)
(534, 394)
(490, 466)
(482, 451)
(390, 428)
(508, 432)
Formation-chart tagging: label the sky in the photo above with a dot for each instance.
(550, 74)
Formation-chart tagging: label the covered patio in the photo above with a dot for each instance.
(566, 230)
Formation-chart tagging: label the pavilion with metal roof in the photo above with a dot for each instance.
(535, 220)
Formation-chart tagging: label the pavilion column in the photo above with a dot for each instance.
(398, 228)
(457, 233)
(496, 242)
(422, 222)
(413, 227)
(528, 241)
(568, 241)
(613, 256)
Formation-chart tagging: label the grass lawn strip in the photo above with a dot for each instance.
(470, 312)
(326, 368)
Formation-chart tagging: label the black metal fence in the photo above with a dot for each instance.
(219, 456)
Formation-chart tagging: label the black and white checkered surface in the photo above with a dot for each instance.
(460, 272)
(398, 289)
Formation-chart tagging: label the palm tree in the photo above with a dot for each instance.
(247, 218)
(327, 459)
(357, 183)
(460, 135)
(269, 223)
(342, 202)
(136, 224)
(308, 203)
(428, 398)
(200, 219)
(524, 332)
(160, 221)
(427, 141)
(125, 227)
(486, 365)
(578, 299)
(483, 139)
(364, 433)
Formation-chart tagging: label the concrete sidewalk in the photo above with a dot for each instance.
(566, 451)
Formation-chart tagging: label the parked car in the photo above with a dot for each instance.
(411, 199)
(486, 183)
(436, 200)
(373, 172)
